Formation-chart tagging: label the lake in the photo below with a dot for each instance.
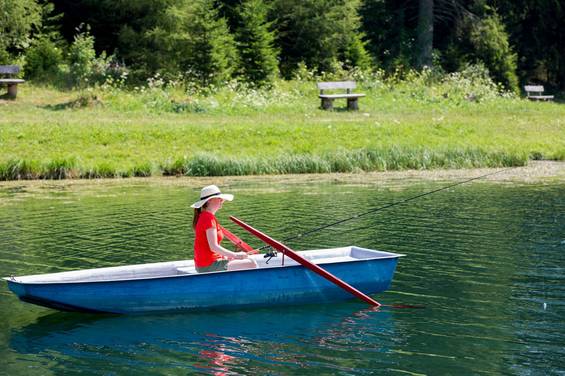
(486, 259)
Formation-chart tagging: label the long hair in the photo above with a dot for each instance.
(197, 212)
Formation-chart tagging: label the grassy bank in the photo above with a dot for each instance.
(164, 130)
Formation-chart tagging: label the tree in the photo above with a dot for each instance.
(18, 19)
(44, 56)
(259, 62)
(148, 34)
(169, 37)
(425, 33)
(389, 32)
(211, 53)
(405, 33)
(491, 46)
(536, 30)
(320, 33)
(480, 37)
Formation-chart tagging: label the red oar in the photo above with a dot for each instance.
(302, 261)
(238, 242)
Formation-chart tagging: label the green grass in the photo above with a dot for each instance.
(110, 132)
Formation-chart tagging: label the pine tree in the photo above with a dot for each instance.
(168, 37)
(211, 54)
(352, 50)
(320, 33)
(390, 40)
(259, 62)
(151, 35)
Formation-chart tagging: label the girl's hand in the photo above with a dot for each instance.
(240, 255)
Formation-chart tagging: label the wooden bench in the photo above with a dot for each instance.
(535, 93)
(328, 99)
(8, 71)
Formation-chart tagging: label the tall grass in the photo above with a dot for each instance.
(345, 161)
(211, 165)
(17, 169)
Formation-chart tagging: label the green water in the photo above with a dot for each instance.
(483, 258)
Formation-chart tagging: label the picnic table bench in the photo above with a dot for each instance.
(328, 99)
(535, 93)
(6, 78)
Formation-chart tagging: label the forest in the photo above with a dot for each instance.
(74, 43)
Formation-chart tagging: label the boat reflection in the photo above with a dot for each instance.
(211, 342)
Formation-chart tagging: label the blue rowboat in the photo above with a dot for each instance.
(171, 286)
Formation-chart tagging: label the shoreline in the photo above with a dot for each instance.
(533, 172)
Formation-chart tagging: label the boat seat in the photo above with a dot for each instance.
(187, 270)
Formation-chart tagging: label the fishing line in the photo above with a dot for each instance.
(374, 210)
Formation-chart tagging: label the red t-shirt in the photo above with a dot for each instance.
(203, 255)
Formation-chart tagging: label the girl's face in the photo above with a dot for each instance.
(215, 204)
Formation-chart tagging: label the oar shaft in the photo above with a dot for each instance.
(306, 263)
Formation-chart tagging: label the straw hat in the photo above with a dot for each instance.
(209, 192)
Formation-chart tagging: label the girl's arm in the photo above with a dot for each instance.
(212, 236)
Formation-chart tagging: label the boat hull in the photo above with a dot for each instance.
(279, 285)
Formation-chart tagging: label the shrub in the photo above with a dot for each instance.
(106, 68)
(81, 58)
(473, 83)
(43, 60)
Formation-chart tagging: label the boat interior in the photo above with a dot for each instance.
(186, 267)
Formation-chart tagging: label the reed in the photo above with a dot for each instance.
(61, 168)
(142, 170)
(19, 169)
(102, 170)
(344, 161)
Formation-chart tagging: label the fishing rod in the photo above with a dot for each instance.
(374, 210)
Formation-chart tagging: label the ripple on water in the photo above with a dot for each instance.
(482, 258)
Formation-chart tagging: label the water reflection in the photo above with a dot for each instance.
(483, 259)
(215, 342)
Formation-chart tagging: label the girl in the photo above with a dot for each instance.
(209, 255)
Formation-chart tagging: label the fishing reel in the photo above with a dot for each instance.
(271, 252)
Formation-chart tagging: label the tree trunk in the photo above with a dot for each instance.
(425, 33)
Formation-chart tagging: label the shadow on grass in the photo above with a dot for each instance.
(557, 100)
(6, 97)
(83, 101)
(340, 109)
